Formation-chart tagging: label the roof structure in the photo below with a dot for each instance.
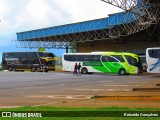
(86, 26)
(139, 15)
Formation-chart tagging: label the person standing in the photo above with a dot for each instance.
(79, 69)
(75, 69)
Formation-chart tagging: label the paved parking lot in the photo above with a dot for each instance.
(64, 89)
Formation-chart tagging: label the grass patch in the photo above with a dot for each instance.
(58, 67)
(45, 108)
(114, 110)
(1, 69)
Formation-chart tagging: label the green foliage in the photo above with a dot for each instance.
(41, 49)
(73, 48)
(47, 108)
(113, 109)
(1, 67)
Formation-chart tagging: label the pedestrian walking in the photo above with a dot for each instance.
(79, 69)
(75, 69)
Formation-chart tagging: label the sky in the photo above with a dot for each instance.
(24, 15)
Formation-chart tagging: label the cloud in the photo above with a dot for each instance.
(82, 10)
(38, 14)
(24, 15)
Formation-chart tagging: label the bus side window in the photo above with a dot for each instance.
(96, 58)
(108, 59)
(118, 58)
(87, 58)
(154, 53)
(77, 58)
(104, 59)
(68, 57)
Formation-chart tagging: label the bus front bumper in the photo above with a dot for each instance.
(51, 68)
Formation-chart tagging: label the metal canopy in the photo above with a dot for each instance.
(139, 15)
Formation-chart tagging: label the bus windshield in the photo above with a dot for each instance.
(154, 53)
(43, 54)
(133, 61)
(51, 63)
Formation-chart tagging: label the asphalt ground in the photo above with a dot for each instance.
(63, 89)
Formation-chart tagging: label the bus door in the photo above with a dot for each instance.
(112, 63)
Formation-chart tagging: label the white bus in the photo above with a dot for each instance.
(107, 62)
(153, 60)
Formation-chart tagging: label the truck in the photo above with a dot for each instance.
(33, 61)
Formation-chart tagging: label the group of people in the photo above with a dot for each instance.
(77, 67)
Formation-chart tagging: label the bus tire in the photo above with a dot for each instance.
(84, 71)
(122, 71)
(33, 69)
(14, 69)
(10, 69)
(38, 69)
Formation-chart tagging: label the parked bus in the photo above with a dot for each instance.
(107, 62)
(34, 61)
(153, 60)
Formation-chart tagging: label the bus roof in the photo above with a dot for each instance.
(102, 53)
(82, 54)
(153, 48)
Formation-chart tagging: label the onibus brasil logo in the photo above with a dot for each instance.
(21, 114)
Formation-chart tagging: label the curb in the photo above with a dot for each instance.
(129, 98)
(147, 89)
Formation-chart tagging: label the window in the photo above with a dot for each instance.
(87, 58)
(119, 57)
(68, 57)
(108, 59)
(22, 57)
(131, 60)
(32, 58)
(51, 63)
(113, 58)
(8, 55)
(96, 58)
(43, 54)
(77, 58)
(154, 53)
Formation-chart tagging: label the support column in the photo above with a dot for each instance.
(66, 49)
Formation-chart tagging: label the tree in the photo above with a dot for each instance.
(1, 67)
(41, 49)
(73, 48)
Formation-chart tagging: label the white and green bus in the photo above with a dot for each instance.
(107, 62)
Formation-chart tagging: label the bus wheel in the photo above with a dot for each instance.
(14, 70)
(33, 69)
(38, 69)
(122, 71)
(84, 71)
(10, 69)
